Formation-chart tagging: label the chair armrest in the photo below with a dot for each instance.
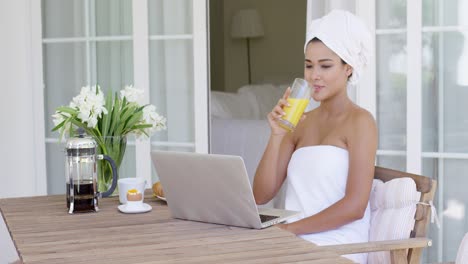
(386, 245)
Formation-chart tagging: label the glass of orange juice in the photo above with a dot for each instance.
(298, 101)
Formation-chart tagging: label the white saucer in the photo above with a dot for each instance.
(135, 210)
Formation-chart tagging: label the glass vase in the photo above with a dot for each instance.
(114, 147)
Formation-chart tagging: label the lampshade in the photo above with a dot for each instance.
(246, 24)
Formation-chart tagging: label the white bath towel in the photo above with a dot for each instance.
(316, 179)
(347, 36)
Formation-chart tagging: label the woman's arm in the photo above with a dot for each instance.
(271, 170)
(362, 147)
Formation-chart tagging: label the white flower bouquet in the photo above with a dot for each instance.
(110, 116)
(108, 120)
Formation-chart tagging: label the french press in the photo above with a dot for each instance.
(81, 176)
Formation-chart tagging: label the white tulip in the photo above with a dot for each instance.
(132, 94)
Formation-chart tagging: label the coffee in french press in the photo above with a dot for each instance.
(81, 176)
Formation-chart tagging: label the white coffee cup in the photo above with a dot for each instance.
(126, 184)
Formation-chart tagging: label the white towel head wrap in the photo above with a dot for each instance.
(347, 36)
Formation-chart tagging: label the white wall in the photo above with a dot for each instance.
(278, 56)
(17, 151)
(216, 40)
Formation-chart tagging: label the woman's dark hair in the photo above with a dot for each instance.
(342, 61)
(318, 40)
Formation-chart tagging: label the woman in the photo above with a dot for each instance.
(328, 160)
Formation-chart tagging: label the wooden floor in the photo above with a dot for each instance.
(44, 232)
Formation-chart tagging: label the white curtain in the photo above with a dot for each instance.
(171, 68)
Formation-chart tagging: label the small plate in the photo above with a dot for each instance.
(136, 210)
(161, 198)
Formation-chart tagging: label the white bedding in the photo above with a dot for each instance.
(245, 138)
(239, 126)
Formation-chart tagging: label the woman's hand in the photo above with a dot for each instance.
(282, 226)
(287, 227)
(277, 113)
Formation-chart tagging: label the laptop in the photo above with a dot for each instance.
(212, 188)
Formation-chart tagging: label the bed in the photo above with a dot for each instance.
(239, 126)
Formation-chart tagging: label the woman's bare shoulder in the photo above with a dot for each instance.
(361, 116)
(362, 125)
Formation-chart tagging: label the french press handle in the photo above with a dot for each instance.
(114, 175)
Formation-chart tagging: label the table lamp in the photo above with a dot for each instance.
(247, 24)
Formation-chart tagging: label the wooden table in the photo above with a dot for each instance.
(43, 232)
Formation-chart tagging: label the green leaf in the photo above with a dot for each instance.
(57, 127)
(67, 109)
(63, 131)
(115, 118)
(134, 119)
(141, 129)
(144, 132)
(105, 119)
(78, 123)
(126, 113)
(131, 110)
(141, 126)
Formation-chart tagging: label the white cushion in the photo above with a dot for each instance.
(266, 96)
(263, 96)
(253, 101)
(393, 206)
(462, 254)
(231, 106)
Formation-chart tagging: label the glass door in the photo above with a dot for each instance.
(422, 57)
(444, 120)
(84, 43)
(153, 45)
(178, 73)
(391, 76)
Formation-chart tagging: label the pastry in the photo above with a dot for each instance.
(158, 190)
(133, 195)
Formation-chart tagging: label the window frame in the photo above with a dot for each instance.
(141, 69)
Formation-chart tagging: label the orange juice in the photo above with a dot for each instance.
(293, 112)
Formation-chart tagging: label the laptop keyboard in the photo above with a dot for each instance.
(266, 218)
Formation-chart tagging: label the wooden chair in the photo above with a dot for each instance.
(406, 250)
